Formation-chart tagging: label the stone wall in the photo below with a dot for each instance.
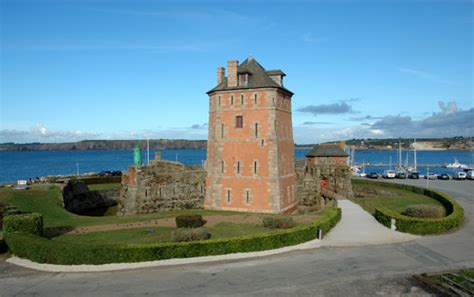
(78, 199)
(318, 184)
(161, 186)
(165, 185)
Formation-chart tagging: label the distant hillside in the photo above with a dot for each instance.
(455, 143)
(105, 145)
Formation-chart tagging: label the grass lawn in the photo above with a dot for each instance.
(105, 187)
(397, 201)
(159, 234)
(46, 200)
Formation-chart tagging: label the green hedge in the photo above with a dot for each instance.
(453, 219)
(43, 250)
(26, 223)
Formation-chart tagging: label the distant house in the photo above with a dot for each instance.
(327, 154)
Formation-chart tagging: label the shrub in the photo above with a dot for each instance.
(190, 221)
(43, 250)
(278, 222)
(25, 223)
(181, 235)
(453, 219)
(424, 211)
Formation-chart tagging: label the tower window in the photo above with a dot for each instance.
(222, 166)
(242, 100)
(239, 121)
(228, 196)
(273, 99)
(256, 130)
(243, 79)
(231, 100)
(247, 196)
(255, 167)
(219, 100)
(263, 142)
(255, 98)
(238, 167)
(222, 130)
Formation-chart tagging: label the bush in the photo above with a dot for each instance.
(278, 222)
(190, 221)
(181, 235)
(42, 250)
(424, 211)
(453, 219)
(25, 223)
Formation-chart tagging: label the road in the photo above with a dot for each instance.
(382, 270)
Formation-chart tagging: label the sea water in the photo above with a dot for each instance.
(15, 165)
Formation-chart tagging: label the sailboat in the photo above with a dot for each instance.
(457, 165)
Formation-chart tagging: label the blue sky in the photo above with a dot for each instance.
(75, 70)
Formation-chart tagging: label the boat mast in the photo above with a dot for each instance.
(414, 153)
(399, 153)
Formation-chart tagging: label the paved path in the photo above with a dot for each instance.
(357, 227)
(375, 270)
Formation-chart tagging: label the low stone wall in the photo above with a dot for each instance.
(165, 185)
(161, 186)
(318, 184)
(78, 199)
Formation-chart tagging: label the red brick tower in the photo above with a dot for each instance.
(250, 153)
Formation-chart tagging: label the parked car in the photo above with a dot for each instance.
(116, 173)
(470, 174)
(443, 176)
(389, 174)
(430, 176)
(401, 175)
(461, 175)
(373, 175)
(105, 173)
(414, 175)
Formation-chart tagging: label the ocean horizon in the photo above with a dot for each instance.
(17, 165)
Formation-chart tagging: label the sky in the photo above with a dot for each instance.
(82, 69)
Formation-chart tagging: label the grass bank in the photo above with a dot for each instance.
(46, 200)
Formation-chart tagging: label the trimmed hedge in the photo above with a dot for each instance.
(43, 250)
(190, 221)
(424, 211)
(26, 223)
(190, 234)
(278, 222)
(453, 219)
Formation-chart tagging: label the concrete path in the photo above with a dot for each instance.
(357, 227)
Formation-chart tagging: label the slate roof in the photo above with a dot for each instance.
(258, 77)
(327, 150)
(275, 72)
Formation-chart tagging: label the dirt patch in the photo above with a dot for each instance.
(170, 222)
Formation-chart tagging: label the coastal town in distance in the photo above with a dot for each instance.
(246, 149)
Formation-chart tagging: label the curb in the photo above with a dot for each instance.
(315, 243)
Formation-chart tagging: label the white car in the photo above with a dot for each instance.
(470, 174)
(461, 175)
(389, 174)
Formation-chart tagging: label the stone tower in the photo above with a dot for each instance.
(250, 151)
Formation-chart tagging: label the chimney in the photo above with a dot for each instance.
(220, 75)
(232, 73)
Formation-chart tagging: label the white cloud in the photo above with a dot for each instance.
(423, 75)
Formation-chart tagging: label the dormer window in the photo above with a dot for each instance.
(243, 79)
